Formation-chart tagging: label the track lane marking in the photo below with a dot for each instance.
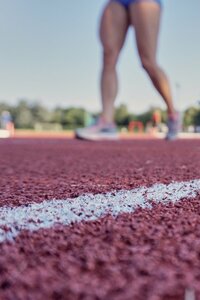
(90, 207)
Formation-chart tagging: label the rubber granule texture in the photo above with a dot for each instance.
(150, 254)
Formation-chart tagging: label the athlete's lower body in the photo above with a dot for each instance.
(144, 16)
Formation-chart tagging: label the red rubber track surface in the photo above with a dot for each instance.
(150, 254)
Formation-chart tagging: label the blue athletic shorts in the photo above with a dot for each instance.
(126, 3)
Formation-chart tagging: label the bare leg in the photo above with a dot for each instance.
(145, 17)
(113, 29)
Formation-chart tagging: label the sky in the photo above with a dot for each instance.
(50, 53)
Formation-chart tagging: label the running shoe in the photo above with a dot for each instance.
(99, 131)
(173, 125)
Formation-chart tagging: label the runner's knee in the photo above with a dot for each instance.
(150, 66)
(110, 57)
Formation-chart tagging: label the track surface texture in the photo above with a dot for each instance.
(150, 254)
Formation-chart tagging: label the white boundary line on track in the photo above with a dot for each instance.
(90, 207)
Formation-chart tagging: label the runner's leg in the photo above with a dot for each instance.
(145, 17)
(113, 29)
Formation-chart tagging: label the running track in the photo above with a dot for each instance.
(150, 253)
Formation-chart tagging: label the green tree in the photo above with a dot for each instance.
(146, 116)
(40, 113)
(189, 116)
(22, 115)
(197, 118)
(73, 117)
(4, 106)
(121, 115)
(57, 114)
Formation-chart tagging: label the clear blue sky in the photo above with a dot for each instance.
(50, 52)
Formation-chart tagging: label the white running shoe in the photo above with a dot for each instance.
(97, 132)
(173, 125)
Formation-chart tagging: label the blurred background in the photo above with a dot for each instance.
(50, 66)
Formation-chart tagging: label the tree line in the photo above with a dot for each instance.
(27, 115)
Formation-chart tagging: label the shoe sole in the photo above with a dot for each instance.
(96, 137)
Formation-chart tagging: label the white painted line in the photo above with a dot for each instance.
(90, 207)
(190, 294)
